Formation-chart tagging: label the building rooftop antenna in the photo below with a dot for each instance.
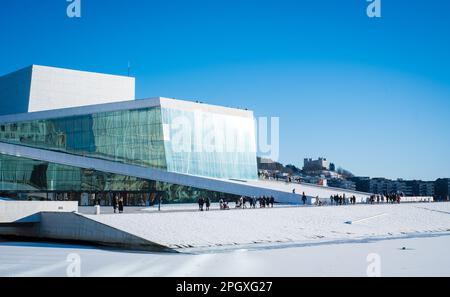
(129, 68)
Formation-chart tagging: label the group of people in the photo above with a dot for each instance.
(274, 176)
(334, 200)
(202, 202)
(392, 198)
(118, 204)
(263, 201)
(267, 175)
(223, 205)
(342, 200)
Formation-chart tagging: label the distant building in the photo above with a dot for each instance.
(416, 188)
(383, 185)
(342, 184)
(269, 165)
(378, 185)
(411, 188)
(442, 189)
(315, 165)
(362, 183)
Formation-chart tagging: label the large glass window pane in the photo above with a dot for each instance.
(121, 136)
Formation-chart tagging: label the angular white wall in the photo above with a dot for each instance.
(55, 88)
(39, 88)
(28, 211)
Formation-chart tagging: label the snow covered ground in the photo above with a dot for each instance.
(402, 240)
(290, 225)
(422, 256)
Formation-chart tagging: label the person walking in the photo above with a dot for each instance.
(121, 205)
(242, 202)
(304, 198)
(318, 202)
(201, 202)
(207, 203)
(115, 203)
(245, 202)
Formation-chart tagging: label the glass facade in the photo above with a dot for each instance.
(210, 144)
(194, 142)
(180, 141)
(26, 176)
(128, 136)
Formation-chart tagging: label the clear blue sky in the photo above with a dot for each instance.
(372, 95)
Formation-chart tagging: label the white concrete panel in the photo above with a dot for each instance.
(74, 227)
(29, 211)
(55, 88)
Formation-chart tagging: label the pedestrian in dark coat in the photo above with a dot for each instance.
(115, 203)
(121, 205)
(201, 202)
